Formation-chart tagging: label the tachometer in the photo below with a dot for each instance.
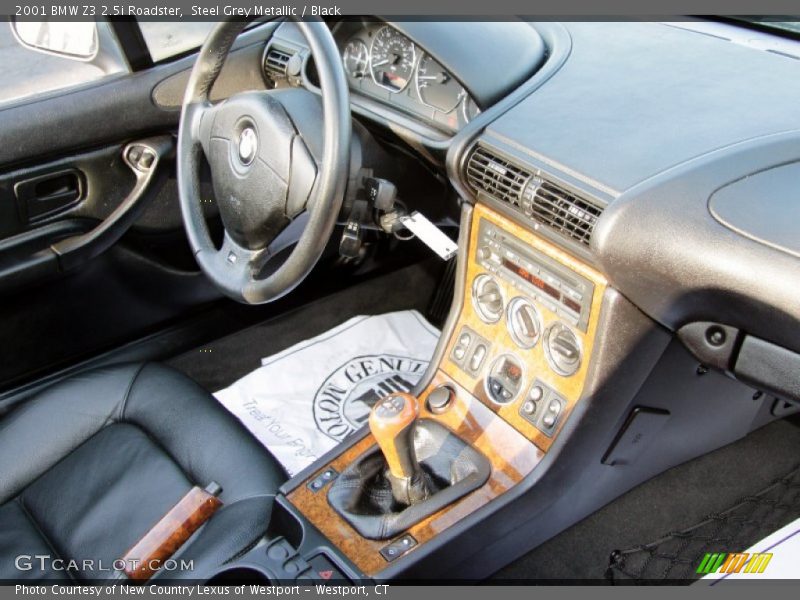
(392, 59)
(436, 87)
(356, 59)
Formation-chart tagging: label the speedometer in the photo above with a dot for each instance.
(392, 59)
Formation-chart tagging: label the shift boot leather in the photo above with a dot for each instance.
(449, 469)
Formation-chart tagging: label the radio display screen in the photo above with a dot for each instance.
(542, 285)
(571, 304)
(533, 279)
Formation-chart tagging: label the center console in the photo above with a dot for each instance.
(527, 327)
(511, 367)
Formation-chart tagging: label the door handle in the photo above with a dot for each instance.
(143, 158)
(48, 194)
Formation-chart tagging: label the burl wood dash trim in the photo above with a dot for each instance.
(534, 361)
(511, 455)
(170, 533)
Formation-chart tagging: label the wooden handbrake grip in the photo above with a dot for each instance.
(391, 423)
(171, 532)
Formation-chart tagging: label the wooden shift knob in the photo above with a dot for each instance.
(391, 423)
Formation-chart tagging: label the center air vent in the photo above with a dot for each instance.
(540, 200)
(565, 212)
(276, 61)
(496, 176)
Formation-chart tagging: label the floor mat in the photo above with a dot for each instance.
(306, 399)
(678, 555)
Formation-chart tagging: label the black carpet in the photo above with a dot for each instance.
(678, 499)
(220, 363)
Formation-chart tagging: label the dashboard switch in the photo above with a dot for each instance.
(477, 357)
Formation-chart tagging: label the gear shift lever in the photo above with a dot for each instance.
(392, 425)
(418, 468)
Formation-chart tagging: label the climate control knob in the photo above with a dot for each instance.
(563, 349)
(524, 322)
(487, 298)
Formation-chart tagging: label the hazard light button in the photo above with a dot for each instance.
(324, 570)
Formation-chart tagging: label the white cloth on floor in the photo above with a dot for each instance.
(303, 401)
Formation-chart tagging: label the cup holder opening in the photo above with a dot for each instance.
(239, 575)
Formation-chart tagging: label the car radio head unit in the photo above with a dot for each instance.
(556, 287)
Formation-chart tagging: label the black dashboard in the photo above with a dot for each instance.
(610, 139)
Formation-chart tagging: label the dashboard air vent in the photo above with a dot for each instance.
(540, 200)
(495, 176)
(276, 61)
(565, 212)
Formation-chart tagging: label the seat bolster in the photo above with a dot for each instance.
(200, 435)
(46, 428)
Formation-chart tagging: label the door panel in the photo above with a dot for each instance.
(63, 172)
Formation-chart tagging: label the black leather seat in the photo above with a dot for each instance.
(91, 464)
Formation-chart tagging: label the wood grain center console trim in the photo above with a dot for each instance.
(511, 455)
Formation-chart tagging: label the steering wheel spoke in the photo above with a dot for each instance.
(238, 259)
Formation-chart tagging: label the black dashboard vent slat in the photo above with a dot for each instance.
(545, 202)
(565, 212)
(276, 61)
(495, 176)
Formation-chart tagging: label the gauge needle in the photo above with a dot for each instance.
(380, 63)
(440, 78)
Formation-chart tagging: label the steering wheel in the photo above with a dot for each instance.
(279, 163)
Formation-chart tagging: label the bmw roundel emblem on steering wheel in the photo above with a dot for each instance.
(248, 144)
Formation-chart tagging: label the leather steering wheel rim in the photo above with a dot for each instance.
(234, 268)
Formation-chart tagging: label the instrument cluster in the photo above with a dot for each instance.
(382, 63)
